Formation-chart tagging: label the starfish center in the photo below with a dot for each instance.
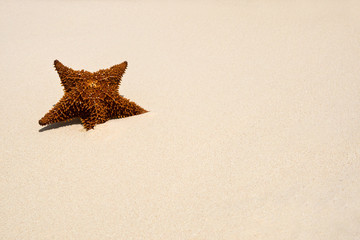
(93, 84)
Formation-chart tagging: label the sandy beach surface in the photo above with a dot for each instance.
(253, 130)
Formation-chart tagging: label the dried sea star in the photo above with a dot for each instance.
(92, 97)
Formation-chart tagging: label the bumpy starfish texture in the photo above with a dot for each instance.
(92, 97)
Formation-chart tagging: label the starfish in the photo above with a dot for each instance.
(92, 97)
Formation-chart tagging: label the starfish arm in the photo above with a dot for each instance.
(95, 114)
(67, 75)
(62, 111)
(116, 72)
(121, 107)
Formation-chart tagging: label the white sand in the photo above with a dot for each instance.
(253, 133)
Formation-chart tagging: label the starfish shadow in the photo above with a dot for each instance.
(60, 124)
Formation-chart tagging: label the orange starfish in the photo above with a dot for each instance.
(92, 97)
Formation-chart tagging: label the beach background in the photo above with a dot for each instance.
(253, 130)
